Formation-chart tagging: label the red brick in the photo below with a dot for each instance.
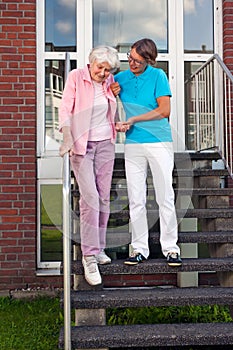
(11, 257)
(8, 242)
(13, 14)
(8, 21)
(12, 28)
(9, 269)
(12, 7)
(13, 65)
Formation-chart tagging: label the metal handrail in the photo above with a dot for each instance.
(67, 238)
(66, 250)
(204, 65)
(210, 89)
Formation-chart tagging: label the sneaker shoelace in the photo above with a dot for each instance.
(91, 265)
(102, 253)
(173, 255)
(133, 254)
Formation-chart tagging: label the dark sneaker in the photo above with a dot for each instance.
(134, 259)
(173, 259)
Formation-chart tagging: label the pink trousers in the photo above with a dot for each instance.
(93, 173)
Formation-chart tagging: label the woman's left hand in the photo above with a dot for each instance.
(115, 87)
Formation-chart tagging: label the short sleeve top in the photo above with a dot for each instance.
(139, 95)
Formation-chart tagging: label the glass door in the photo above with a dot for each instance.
(185, 32)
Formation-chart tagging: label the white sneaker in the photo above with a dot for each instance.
(102, 258)
(91, 271)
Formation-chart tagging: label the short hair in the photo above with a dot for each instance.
(147, 49)
(107, 54)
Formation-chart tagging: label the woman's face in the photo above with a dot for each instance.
(137, 63)
(99, 71)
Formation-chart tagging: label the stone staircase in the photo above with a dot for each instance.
(201, 201)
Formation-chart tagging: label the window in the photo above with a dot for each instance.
(60, 25)
(119, 23)
(198, 26)
(51, 222)
(54, 83)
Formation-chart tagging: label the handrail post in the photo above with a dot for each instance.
(67, 236)
(197, 111)
(66, 250)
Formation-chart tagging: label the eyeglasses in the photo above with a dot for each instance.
(136, 62)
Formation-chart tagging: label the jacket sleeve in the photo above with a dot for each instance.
(68, 100)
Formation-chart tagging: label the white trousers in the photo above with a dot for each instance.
(160, 158)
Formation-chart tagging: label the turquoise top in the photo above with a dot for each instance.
(139, 95)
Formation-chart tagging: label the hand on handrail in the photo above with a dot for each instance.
(66, 148)
(67, 145)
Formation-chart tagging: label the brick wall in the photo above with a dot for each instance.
(228, 33)
(18, 144)
(228, 49)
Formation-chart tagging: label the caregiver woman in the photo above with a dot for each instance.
(145, 94)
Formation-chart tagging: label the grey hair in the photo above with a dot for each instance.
(105, 54)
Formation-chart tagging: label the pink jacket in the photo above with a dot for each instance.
(76, 107)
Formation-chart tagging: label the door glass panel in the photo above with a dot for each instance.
(51, 222)
(198, 26)
(199, 108)
(190, 106)
(60, 25)
(119, 23)
(54, 84)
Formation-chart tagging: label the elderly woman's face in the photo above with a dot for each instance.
(99, 71)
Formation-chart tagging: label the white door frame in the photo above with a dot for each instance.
(49, 162)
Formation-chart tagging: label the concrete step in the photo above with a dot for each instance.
(119, 194)
(205, 191)
(153, 266)
(122, 190)
(198, 237)
(145, 297)
(134, 336)
(183, 156)
(180, 156)
(210, 213)
(120, 173)
(116, 237)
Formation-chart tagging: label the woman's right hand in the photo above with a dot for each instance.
(122, 126)
(115, 87)
(65, 147)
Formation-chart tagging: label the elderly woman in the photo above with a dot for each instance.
(87, 120)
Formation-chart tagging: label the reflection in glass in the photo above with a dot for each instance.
(51, 222)
(198, 26)
(60, 25)
(199, 107)
(118, 25)
(54, 84)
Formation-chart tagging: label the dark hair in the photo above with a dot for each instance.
(147, 49)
